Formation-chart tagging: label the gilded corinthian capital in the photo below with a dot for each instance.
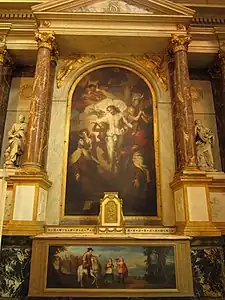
(180, 42)
(45, 39)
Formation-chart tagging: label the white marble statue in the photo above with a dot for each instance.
(204, 139)
(17, 140)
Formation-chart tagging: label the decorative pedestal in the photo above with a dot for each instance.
(192, 206)
(27, 211)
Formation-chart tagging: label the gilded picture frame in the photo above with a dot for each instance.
(136, 219)
(44, 283)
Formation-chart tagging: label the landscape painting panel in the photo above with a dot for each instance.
(111, 144)
(111, 267)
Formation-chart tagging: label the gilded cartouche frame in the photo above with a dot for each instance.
(39, 268)
(143, 74)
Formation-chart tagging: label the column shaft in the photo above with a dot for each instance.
(183, 117)
(5, 83)
(38, 124)
(48, 119)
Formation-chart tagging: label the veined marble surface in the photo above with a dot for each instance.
(55, 161)
(14, 270)
(208, 272)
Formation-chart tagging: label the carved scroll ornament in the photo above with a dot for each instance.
(155, 64)
(69, 65)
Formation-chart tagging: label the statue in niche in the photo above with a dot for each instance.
(204, 139)
(17, 140)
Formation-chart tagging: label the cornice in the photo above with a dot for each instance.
(16, 14)
(208, 21)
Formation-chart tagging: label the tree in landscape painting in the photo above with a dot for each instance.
(160, 265)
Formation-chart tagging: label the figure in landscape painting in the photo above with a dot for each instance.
(122, 267)
(111, 144)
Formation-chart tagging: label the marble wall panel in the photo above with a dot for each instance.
(24, 203)
(14, 94)
(217, 201)
(209, 121)
(179, 205)
(208, 272)
(15, 267)
(56, 160)
(202, 97)
(167, 163)
(8, 205)
(198, 210)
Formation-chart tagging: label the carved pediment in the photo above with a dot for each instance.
(148, 7)
(114, 6)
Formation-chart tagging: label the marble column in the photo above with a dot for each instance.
(5, 83)
(183, 118)
(53, 64)
(38, 124)
(218, 86)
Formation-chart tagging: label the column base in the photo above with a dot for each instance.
(32, 168)
(198, 229)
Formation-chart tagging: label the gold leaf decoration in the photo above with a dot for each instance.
(69, 65)
(154, 63)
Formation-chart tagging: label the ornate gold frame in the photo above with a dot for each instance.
(38, 276)
(144, 75)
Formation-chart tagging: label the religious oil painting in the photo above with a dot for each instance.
(111, 267)
(111, 144)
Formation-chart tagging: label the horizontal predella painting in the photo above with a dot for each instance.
(116, 267)
(111, 144)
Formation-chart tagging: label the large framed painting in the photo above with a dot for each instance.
(111, 144)
(110, 268)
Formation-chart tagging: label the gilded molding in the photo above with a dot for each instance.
(45, 39)
(205, 20)
(92, 230)
(180, 42)
(16, 14)
(3, 53)
(69, 65)
(155, 64)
